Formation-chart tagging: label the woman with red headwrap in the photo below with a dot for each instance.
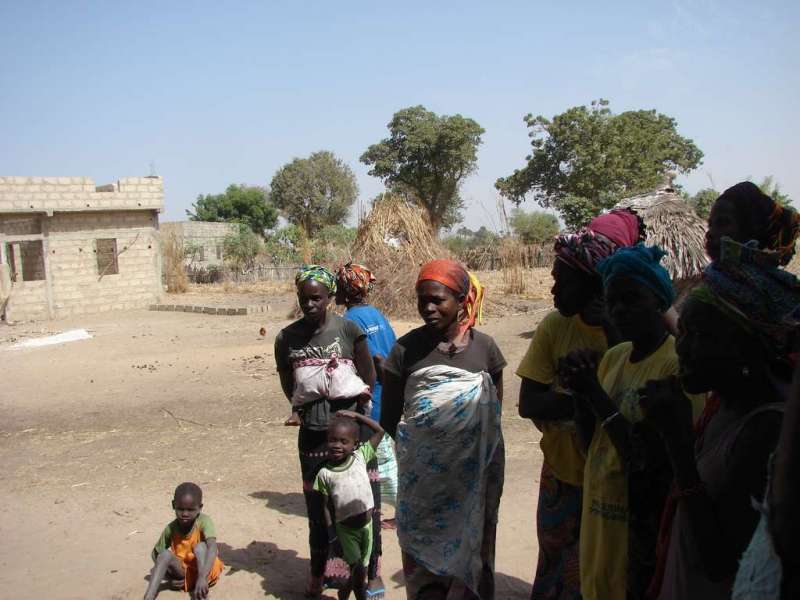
(577, 323)
(442, 404)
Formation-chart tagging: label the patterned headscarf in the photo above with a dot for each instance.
(598, 240)
(451, 274)
(759, 297)
(317, 273)
(356, 281)
(643, 264)
(775, 227)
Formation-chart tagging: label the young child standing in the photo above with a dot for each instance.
(186, 553)
(345, 482)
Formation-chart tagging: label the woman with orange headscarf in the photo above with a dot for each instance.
(442, 403)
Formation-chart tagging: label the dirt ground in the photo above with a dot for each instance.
(95, 435)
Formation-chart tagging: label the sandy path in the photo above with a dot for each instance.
(91, 456)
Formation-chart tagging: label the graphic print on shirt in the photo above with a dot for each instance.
(334, 349)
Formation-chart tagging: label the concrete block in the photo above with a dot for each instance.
(240, 311)
(209, 310)
(152, 307)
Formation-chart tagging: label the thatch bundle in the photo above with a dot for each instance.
(394, 240)
(673, 225)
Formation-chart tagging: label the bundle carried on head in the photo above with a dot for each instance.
(395, 239)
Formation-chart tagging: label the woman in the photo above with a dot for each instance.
(578, 322)
(353, 285)
(320, 336)
(445, 380)
(734, 339)
(627, 475)
(743, 213)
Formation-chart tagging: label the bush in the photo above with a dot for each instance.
(242, 248)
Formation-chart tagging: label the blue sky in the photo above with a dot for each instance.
(216, 93)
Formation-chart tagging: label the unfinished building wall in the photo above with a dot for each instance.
(76, 248)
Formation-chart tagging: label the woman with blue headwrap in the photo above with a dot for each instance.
(321, 337)
(627, 474)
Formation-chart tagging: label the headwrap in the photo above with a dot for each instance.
(643, 264)
(775, 227)
(753, 293)
(452, 275)
(355, 280)
(600, 239)
(317, 273)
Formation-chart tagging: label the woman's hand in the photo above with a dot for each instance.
(348, 414)
(666, 408)
(578, 371)
(293, 421)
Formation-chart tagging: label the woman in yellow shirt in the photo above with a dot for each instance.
(627, 474)
(576, 323)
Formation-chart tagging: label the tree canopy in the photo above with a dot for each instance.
(586, 159)
(314, 192)
(427, 157)
(535, 227)
(249, 205)
(704, 199)
(772, 188)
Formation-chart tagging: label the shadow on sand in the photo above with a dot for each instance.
(283, 573)
(290, 503)
(506, 586)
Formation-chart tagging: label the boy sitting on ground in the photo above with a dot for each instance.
(344, 480)
(186, 553)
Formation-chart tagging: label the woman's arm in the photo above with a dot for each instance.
(539, 402)
(363, 362)
(497, 379)
(785, 491)
(391, 402)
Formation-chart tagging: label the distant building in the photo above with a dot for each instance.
(72, 247)
(202, 239)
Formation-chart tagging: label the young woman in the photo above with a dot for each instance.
(578, 322)
(353, 285)
(627, 475)
(734, 337)
(444, 380)
(320, 337)
(743, 213)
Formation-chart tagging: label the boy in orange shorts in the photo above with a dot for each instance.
(186, 553)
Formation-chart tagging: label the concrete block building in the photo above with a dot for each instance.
(72, 247)
(203, 238)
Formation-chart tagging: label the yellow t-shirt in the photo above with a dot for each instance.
(604, 519)
(556, 337)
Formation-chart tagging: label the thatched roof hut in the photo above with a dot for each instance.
(673, 225)
(394, 240)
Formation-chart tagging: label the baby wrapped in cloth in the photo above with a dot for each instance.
(333, 378)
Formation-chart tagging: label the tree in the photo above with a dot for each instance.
(427, 157)
(242, 247)
(772, 188)
(587, 158)
(239, 204)
(314, 192)
(703, 200)
(535, 227)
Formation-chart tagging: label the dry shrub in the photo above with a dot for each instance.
(173, 253)
(512, 260)
(394, 240)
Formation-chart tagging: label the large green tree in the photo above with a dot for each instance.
(427, 157)
(535, 227)
(314, 192)
(249, 205)
(703, 200)
(587, 158)
(772, 188)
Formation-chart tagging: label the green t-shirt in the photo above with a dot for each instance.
(203, 523)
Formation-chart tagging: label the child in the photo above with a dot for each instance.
(186, 552)
(345, 482)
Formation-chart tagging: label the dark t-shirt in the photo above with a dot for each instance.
(418, 349)
(296, 342)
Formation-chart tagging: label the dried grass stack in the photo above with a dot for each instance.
(394, 240)
(512, 259)
(173, 254)
(673, 225)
